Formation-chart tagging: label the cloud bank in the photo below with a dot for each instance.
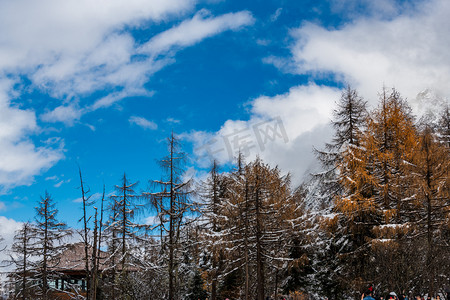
(20, 159)
(407, 51)
(71, 50)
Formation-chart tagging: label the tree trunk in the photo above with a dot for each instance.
(44, 263)
(259, 256)
(247, 271)
(171, 227)
(86, 245)
(24, 275)
(93, 278)
(430, 267)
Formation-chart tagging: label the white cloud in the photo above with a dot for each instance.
(173, 121)
(408, 51)
(276, 14)
(7, 230)
(65, 113)
(14, 122)
(96, 196)
(112, 98)
(91, 127)
(143, 123)
(152, 220)
(72, 49)
(9, 226)
(379, 8)
(91, 197)
(20, 159)
(78, 200)
(110, 63)
(61, 182)
(281, 130)
(60, 33)
(201, 26)
(58, 184)
(66, 49)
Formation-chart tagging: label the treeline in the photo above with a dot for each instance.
(378, 214)
(387, 181)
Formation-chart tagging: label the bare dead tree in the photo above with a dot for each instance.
(124, 235)
(171, 201)
(49, 235)
(85, 198)
(20, 258)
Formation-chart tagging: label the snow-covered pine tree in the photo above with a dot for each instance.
(236, 228)
(260, 216)
(110, 234)
(23, 266)
(443, 126)
(391, 139)
(48, 240)
(98, 231)
(150, 278)
(85, 235)
(124, 234)
(192, 260)
(376, 195)
(196, 290)
(212, 192)
(171, 200)
(390, 142)
(337, 239)
(430, 209)
(295, 274)
(349, 120)
(94, 258)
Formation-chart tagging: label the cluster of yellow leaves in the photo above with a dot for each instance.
(374, 173)
(205, 278)
(390, 232)
(329, 224)
(355, 206)
(384, 245)
(298, 295)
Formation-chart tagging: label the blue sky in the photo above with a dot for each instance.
(101, 84)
